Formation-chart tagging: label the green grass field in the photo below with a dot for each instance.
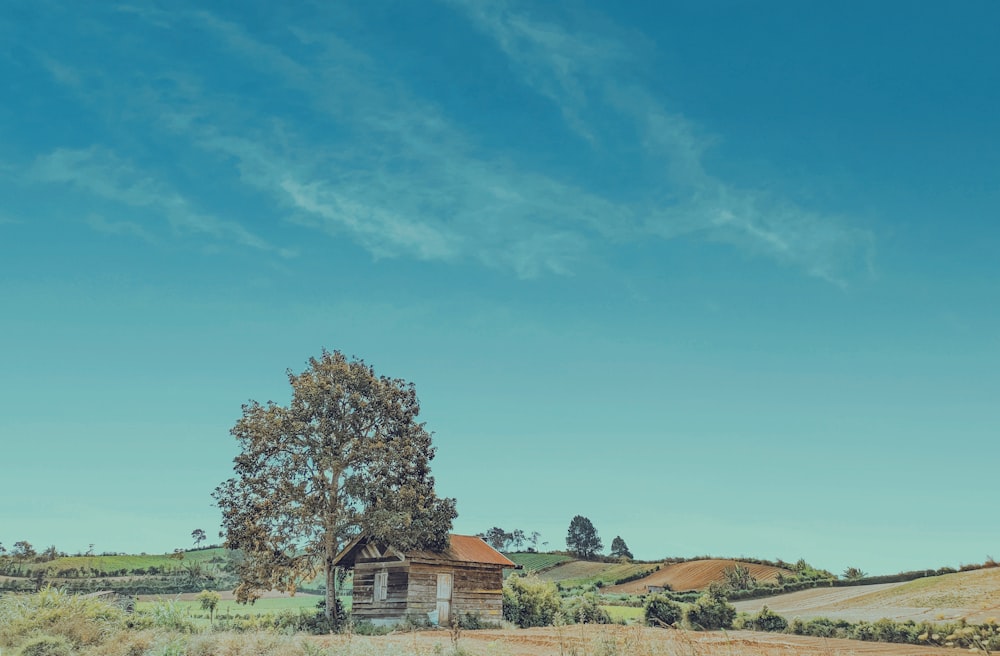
(582, 573)
(226, 607)
(627, 613)
(536, 562)
(129, 562)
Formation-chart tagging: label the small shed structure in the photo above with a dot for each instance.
(389, 585)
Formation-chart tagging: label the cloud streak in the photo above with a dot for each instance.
(343, 145)
(101, 173)
(577, 71)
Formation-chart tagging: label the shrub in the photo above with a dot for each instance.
(585, 609)
(765, 620)
(661, 611)
(710, 611)
(528, 601)
(46, 645)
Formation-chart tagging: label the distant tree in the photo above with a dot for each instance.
(738, 577)
(517, 539)
(22, 551)
(3, 550)
(854, 573)
(619, 549)
(582, 539)
(496, 537)
(533, 539)
(209, 600)
(198, 535)
(50, 554)
(346, 457)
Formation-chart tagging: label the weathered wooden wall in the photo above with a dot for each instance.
(476, 590)
(393, 607)
(412, 589)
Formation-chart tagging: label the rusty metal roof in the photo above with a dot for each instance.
(469, 548)
(461, 548)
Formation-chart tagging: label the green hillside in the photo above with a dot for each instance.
(537, 562)
(125, 565)
(584, 573)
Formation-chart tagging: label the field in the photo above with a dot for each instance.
(129, 563)
(270, 603)
(973, 595)
(582, 573)
(695, 575)
(537, 562)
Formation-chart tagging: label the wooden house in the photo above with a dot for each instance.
(390, 585)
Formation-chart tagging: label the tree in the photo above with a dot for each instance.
(198, 535)
(209, 600)
(345, 457)
(23, 551)
(738, 577)
(582, 539)
(854, 573)
(619, 549)
(496, 537)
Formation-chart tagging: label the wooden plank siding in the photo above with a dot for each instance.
(394, 606)
(476, 590)
(468, 576)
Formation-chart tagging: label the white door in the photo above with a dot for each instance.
(444, 599)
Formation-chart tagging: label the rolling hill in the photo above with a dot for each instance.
(695, 575)
(973, 595)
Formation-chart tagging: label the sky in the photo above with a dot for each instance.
(721, 276)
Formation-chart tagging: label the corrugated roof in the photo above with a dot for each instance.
(461, 548)
(469, 548)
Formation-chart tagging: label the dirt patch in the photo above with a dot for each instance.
(628, 641)
(695, 575)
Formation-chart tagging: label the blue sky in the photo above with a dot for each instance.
(721, 276)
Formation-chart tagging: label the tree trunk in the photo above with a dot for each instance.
(331, 590)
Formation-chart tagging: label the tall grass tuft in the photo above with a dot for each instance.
(80, 620)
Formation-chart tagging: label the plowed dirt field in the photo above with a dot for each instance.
(695, 575)
(593, 640)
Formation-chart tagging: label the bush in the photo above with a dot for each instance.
(46, 645)
(585, 609)
(710, 611)
(821, 627)
(765, 620)
(528, 601)
(661, 611)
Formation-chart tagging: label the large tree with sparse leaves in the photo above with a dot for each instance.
(346, 456)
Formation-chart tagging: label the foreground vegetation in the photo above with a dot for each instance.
(56, 623)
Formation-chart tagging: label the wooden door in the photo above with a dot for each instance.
(444, 585)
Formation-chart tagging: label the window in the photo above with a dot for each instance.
(381, 585)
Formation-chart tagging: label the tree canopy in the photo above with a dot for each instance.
(582, 539)
(619, 549)
(347, 456)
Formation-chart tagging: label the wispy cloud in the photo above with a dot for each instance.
(127, 228)
(101, 173)
(578, 71)
(354, 151)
